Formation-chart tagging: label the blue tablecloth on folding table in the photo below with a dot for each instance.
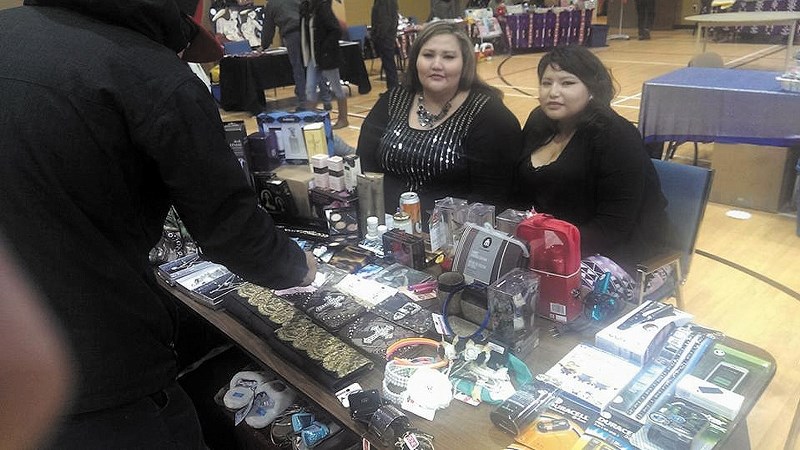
(719, 105)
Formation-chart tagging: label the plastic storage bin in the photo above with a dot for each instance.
(598, 35)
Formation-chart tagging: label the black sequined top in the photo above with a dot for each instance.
(468, 155)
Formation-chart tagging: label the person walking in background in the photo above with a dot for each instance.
(285, 14)
(82, 207)
(443, 132)
(384, 37)
(320, 34)
(646, 15)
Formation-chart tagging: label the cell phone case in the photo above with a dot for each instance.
(374, 334)
(332, 308)
(405, 312)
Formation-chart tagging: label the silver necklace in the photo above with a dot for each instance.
(426, 118)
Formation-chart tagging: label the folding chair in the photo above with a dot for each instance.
(687, 189)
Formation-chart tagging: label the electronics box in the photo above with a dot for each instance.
(710, 396)
(590, 375)
(314, 135)
(638, 335)
(485, 254)
(236, 135)
(753, 176)
(262, 151)
(274, 194)
(299, 180)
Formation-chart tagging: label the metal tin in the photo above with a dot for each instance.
(403, 221)
(409, 202)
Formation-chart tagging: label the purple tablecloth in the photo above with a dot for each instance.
(719, 105)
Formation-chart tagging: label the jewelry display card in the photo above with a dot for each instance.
(220, 286)
(171, 271)
(208, 283)
(397, 275)
(367, 292)
(405, 312)
(374, 334)
(332, 308)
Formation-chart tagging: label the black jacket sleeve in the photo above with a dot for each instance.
(268, 29)
(384, 19)
(327, 33)
(186, 142)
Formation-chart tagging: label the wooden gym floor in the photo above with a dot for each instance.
(745, 276)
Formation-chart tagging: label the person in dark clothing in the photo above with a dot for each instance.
(285, 14)
(646, 16)
(444, 132)
(445, 9)
(320, 34)
(92, 154)
(384, 37)
(584, 163)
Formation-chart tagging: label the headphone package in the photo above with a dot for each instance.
(485, 254)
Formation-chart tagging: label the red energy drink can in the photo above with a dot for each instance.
(409, 202)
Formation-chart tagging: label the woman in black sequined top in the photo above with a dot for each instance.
(444, 132)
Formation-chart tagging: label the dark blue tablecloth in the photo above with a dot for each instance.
(243, 79)
(719, 105)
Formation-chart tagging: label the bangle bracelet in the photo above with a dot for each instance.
(417, 362)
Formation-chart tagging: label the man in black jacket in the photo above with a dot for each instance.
(285, 14)
(384, 37)
(102, 128)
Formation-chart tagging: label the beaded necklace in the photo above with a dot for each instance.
(426, 118)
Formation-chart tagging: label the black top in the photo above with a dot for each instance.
(384, 20)
(327, 33)
(469, 155)
(603, 182)
(101, 128)
(285, 14)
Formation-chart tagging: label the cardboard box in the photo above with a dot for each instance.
(753, 176)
